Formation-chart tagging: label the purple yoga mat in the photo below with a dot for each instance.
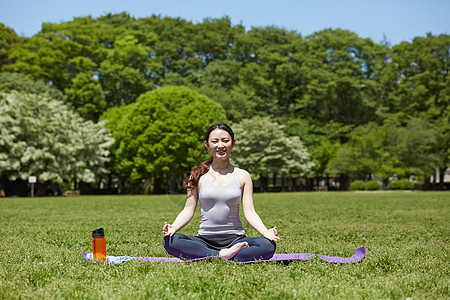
(360, 253)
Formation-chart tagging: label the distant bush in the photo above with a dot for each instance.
(358, 185)
(401, 184)
(372, 185)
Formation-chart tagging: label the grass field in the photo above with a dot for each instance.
(406, 236)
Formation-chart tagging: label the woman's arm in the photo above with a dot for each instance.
(184, 216)
(249, 209)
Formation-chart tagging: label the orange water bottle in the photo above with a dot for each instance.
(99, 244)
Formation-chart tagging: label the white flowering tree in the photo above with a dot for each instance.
(263, 148)
(42, 137)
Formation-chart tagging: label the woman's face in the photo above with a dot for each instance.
(219, 144)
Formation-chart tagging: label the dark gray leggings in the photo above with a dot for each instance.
(180, 245)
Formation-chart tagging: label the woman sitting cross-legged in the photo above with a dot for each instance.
(219, 187)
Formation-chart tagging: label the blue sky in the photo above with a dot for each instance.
(398, 20)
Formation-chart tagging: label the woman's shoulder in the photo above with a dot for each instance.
(244, 174)
(202, 179)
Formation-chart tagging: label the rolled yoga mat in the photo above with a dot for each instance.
(360, 253)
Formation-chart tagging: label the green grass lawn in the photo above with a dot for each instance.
(406, 236)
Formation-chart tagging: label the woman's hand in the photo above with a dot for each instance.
(271, 234)
(168, 229)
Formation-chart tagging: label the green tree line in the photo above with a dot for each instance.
(350, 106)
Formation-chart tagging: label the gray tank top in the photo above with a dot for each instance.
(219, 207)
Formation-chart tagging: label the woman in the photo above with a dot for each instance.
(219, 187)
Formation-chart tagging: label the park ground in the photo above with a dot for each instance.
(406, 235)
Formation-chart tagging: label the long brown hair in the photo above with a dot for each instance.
(191, 182)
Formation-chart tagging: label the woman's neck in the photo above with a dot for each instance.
(221, 167)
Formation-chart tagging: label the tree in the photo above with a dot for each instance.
(86, 96)
(123, 72)
(388, 150)
(365, 154)
(339, 68)
(23, 83)
(416, 85)
(416, 82)
(263, 149)
(7, 38)
(419, 152)
(280, 55)
(162, 133)
(321, 138)
(320, 87)
(43, 137)
(220, 81)
(48, 54)
(45, 57)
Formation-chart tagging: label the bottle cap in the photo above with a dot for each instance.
(99, 232)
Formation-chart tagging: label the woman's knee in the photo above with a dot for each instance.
(260, 248)
(170, 244)
(169, 241)
(166, 241)
(266, 248)
(266, 244)
(270, 246)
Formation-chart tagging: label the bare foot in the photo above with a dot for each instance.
(233, 250)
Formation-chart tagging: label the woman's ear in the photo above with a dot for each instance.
(206, 145)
